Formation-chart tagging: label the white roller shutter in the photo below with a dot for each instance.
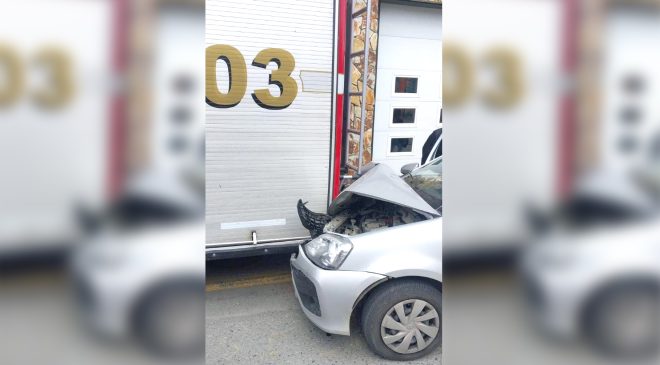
(406, 30)
(54, 158)
(261, 161)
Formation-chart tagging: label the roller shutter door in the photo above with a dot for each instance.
(263, 156)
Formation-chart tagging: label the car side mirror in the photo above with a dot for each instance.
(408, 168)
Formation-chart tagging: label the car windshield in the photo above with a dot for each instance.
(427, 182)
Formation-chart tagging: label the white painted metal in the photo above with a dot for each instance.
(55, 160)
(630, 50)
(260, 161)
(253, 224)
(179, 45)
(409, 44)
(497, 162)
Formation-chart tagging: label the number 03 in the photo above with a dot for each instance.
(238, 77)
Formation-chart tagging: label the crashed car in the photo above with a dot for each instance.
(594, 271)
(138, 274)
(376, 257)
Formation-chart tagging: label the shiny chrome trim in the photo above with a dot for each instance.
(263, 242)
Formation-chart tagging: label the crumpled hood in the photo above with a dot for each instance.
(382, 183)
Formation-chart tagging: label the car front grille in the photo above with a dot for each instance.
(84, 295)
(314, 222)
(306, 291)
(533, 294)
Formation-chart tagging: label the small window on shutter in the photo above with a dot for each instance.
(403, 116)
(405, 85)
(401, 144)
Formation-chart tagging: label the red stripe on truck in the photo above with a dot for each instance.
(339, 119)
(567, 127)
(118, 98)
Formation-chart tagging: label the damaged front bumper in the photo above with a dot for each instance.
(314, 222)
(378, 199)
(327, 297)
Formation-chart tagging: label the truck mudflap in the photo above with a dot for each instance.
(314, 222)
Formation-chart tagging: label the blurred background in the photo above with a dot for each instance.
(102, 159)
(551, 229)
(551, 181)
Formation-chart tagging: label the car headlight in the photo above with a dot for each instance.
(328, 251)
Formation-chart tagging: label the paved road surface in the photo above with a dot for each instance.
(253, 317)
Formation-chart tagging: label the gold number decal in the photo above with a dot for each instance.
(509, 87)
(11, 89)
(59, 87)
(237, 76)
(458, 75)
(458, 81)
(280, 77)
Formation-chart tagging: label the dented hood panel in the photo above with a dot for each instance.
(382, 183)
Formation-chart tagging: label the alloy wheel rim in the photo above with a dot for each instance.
(410, 326)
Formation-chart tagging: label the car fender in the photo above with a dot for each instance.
(413, 249)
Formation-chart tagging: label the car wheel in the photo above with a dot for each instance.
(624, 320)
(401, 320)
(170, 320)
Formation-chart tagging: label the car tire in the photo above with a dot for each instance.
(412, 338)
(169, 320)
(624, 319)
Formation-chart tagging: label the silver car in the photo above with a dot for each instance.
(138, 275)
(377, 257)
(595, 271)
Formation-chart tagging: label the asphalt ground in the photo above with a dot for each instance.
(41, 324)
(487, 320)
(253, 317)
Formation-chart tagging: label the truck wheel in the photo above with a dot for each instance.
(169, 320)
(624, 320)
(401, 320)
